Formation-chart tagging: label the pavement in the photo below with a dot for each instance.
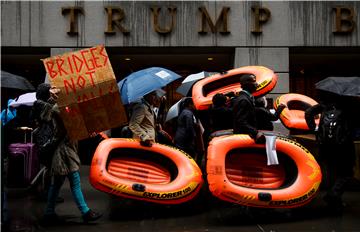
(204, 213)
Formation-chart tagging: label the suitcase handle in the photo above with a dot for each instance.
(26, 129)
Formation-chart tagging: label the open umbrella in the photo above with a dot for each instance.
(26, 99)
(8, 114)
(174, 110)
(9, 80)
(341, 86)
(190, 80)
(142, 82)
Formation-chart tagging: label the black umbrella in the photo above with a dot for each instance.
(190, 80)
(342, 86)
(13, 81)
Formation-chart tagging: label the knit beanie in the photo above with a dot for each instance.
(42, 92)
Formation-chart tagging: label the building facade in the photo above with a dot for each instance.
(302, 41)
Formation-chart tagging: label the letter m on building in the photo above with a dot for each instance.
(221, 24)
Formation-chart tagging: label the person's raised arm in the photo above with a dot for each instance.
(310, 115)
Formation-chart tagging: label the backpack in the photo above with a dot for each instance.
(44, 138)
(333, 128)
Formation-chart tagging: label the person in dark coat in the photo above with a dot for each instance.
(220, 113)
(264, 117)
(244, 114)
(185, 135)
(336, 158)
(65, 162)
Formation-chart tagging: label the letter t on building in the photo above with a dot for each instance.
(73, 18)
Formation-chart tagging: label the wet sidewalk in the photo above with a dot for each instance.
(203, 214)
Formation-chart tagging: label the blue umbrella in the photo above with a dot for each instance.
(140, 83)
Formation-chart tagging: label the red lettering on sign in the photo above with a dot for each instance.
(90, 74)
(102, 49)
(68, 85)
(50, 66)
(75, 58)
(81, 81)
(70, 65)
(87, 61)
(95, 58)
(60, 63)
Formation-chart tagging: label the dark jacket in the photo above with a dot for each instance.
(220, 118)
(185, 135)
(264, 118)
(342, 133)
(65, 159)
(244, 115)
(310, 114)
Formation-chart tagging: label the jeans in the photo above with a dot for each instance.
(54, 189)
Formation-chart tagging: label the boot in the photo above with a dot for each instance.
(91, 216)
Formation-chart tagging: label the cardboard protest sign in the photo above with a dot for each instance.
(89, 99)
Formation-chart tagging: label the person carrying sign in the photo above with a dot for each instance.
(65, 162)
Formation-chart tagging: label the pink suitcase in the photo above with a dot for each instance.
(23, 163)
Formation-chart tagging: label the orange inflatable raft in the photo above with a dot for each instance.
(293, 116)
(160, 173)
(237, 172)
(205, 89)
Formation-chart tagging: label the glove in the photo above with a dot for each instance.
(146, 143)
(280, 108)
(54, 92)
(260, 138)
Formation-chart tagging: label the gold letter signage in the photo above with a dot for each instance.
(164, 24)
(156, 12)
(120, 15)
(344, 20)
(223, 18)
(262, 15)
(73, 18)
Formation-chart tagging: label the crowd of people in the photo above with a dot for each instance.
(244, 114)
(239, 112)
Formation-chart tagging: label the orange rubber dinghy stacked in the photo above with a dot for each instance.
(205, 89)
(293, 116)
(237, 172)
(160, 173)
